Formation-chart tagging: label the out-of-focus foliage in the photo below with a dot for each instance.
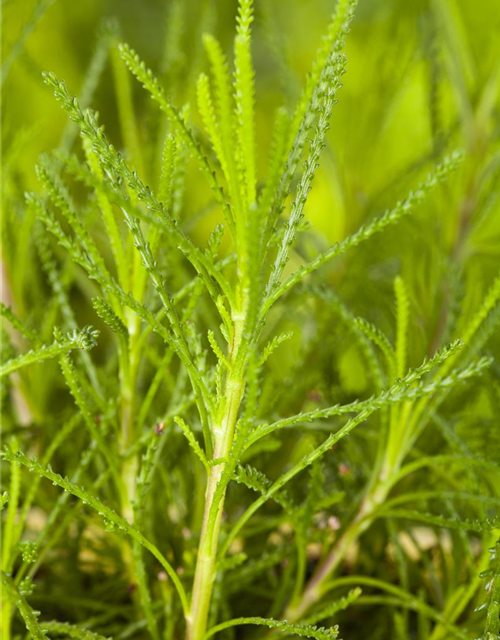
(404, 507)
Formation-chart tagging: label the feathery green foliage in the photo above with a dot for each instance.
(287, 410)
(84, 340)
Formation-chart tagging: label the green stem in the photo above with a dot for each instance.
(8, 540)
(223, 431)
(6, 617)
(382, 479)
(9, 530)
(318, 584)
(129, 466)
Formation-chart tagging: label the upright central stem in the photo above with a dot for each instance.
(223, 430)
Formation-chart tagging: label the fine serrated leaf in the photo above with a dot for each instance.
(216, 349)
(106, 313)
(71, 630)
(273, 345)
(381, 340)
(244, 98)
(328, 88)
(338, 605)
(441, 521)
(29, 615)
(302, 630)
(20, 325)
(85, 339)
(193, 442)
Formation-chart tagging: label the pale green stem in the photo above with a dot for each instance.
(207, 551)
(6, 617)
(318, 583)
(8, 539)
(129, 467)
(9, 530)
(384, 475)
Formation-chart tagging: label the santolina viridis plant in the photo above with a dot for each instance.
(204, 323)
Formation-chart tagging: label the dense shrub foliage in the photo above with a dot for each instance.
(250, 375)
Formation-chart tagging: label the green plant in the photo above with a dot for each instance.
(208, 356)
